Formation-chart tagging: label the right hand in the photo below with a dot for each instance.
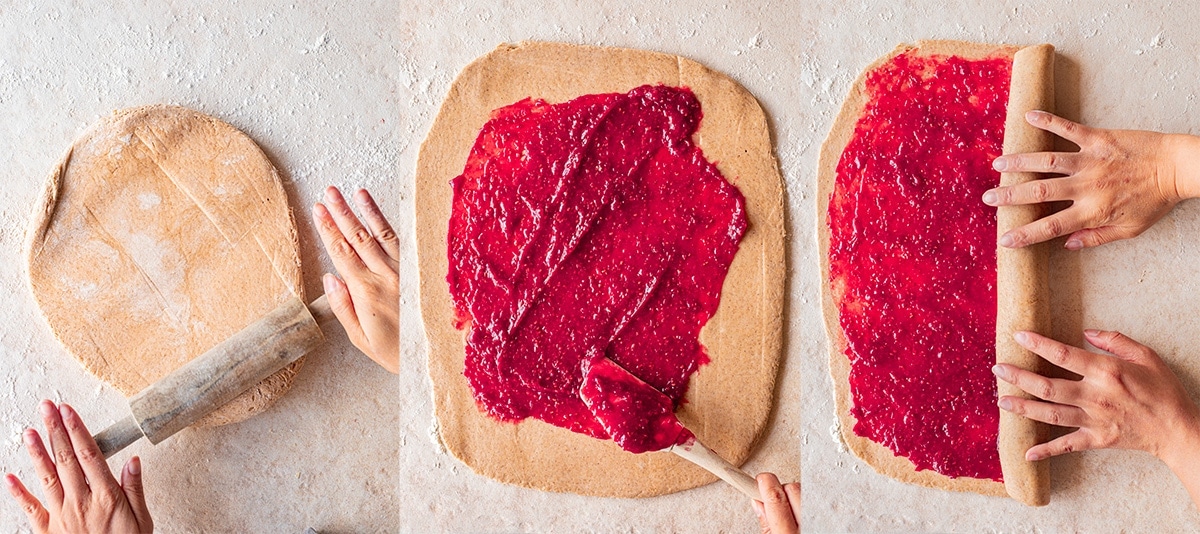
(779, 511)
(367, 298)
(1130, 400)
(1119, 183)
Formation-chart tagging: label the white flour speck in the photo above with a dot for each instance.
(148, 200)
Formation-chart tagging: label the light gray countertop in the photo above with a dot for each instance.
(345, 95)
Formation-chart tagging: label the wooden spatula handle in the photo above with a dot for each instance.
(702, 456)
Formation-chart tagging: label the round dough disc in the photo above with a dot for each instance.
(729, 399)
(162, 232)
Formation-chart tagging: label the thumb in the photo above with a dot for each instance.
(1117, 343)
(343, 308)
(1094, 237)
(131, 484)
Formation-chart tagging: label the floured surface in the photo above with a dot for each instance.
(729, 399)
(162, 233)
(305, 85)
(1132, 286)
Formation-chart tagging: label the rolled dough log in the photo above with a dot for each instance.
(729, 400)
(162, 232)
(1021, 276)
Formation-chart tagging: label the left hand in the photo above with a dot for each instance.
(81, 494)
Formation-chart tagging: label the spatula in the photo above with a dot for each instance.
(640, 419)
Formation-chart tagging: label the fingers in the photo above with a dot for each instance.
(793, 493)
(43, 464)
(343, 308)
(1048, 389)
(1044, 229)
(66, 464)
(39, 518)
(1073, 359)
(1094, 237)
(1073, 442)
(379, 224)
(1034, 192)
(760, 512)
(1119, 344)
(1071, 131)
(131, 484)
(1043, 162)
(91, 460)
(778, 515)
(1054, 414)
(354, 233)
(345, 258)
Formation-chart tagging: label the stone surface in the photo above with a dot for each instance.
(315, 89)
(345, 96)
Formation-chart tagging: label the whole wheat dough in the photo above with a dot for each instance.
(162, 232)
(729, 400)
(1021, 275)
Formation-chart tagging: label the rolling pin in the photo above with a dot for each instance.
(220, 374)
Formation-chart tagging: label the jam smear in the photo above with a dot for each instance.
(587, 231)
(913, 254)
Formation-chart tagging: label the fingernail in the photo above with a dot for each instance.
(46, 407)
(330, 193)
(327, 281)
(1000, 164)
(135, 466)
(1091, 332)
(1021, 337)
(65, 411)
(1035, 116)
(1074, 244)
(30, 436)
(1000, 372)
(10, 480)
(990, 197)
(1033, 457)
(1006, 241)
(1005, 404)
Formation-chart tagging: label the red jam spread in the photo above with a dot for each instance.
(913, 255)
(586, 231)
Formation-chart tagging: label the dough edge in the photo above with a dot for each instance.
(535, 454)
(877, 456)
(250, 402)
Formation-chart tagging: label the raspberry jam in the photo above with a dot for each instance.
(913, 257)
(587, 231)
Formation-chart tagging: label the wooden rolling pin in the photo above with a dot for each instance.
(220, 374)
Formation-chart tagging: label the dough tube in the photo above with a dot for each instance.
(1022, 286)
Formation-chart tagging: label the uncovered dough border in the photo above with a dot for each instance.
(729, 400)
(1019, 279)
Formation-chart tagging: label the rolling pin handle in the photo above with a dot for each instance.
(119, 435)
(321, 310)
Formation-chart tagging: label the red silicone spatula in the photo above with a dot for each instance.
(640, 418)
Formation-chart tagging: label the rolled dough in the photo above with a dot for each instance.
(1021, 276)
(162, 232)
(729, 400)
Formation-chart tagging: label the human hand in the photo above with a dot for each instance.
(779, 511)
(367, 301)
(1119, 183)
(81, 494)
(1129, 400)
